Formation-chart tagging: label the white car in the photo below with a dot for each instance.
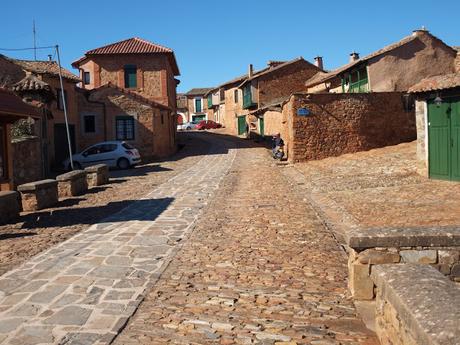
(113, 153)
(187, 125)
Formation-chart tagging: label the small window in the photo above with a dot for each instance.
(86, 78)
(108, 148)
(89, 122)
(93, 150)
(60, 104)
(222, 95)
(130, 76)
(125, 127)
(127, 146)
(236, 96)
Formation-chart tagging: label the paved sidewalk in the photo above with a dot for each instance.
(259, 268)
(83, 290)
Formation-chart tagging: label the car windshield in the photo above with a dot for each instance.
(127, 146)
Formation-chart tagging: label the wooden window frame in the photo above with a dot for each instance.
(124, 120)
(128, 71)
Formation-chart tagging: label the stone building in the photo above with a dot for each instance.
(55, 148)
(197, 105)
(395, 67)
(258, 89)
(12, 108)
(438, 126)
(129, 68)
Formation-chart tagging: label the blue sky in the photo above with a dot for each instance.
(214, 41)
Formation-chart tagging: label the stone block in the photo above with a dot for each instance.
(360, 283)
(39, 194)
(448, 257)
(72, 183)
(455, 271)
(419, 256)
(378, 257)
(9, 206)
(97, 175)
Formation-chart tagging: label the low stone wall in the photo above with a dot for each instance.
(72, 183)
(97, 175)
(347, 123)
(415, 305)
(9, 206)
(38, 195)
(437, 247)
(27, 162)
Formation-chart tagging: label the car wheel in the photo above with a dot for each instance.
(188, 128)
(123, 163)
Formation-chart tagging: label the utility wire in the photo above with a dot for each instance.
(21, 49)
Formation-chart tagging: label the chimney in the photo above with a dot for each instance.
(354, 56)
(50, 57)
(250, 70)
(421, 31)
(319, 62)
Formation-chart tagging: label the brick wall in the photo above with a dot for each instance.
(346, 123)
(283, 82)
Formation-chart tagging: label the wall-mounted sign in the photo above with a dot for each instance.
(303, 112)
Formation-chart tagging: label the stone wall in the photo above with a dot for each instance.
(27, 162)
(347, 123)
(280, 84)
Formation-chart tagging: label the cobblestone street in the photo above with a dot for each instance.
(224, 252)
(260, 268)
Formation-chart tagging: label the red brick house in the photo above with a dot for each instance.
(12, 108)
(141, 72)
(55, 148)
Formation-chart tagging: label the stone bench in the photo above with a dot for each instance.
(97, 175)
(39, 194)
(9, 206)
(416, 305)
(72, 183)
(436, 246)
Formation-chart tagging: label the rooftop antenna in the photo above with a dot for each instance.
(35, 42)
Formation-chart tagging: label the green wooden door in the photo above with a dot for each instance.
(241, 125)
(455, 140)
(261, 127)
(444, 140)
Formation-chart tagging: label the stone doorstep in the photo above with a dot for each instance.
(403, 237)
(33, 186)
(71, 176)
(427, 303)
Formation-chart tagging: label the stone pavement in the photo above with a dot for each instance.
(259, 268)
(83, 290)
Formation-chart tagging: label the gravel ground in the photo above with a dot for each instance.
(37, 231)
(382, 188)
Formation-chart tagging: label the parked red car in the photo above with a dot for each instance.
(208, 124)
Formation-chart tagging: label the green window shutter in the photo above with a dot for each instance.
(130, 76)
(209, 101)
(198, 105)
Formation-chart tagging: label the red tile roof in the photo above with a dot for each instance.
(43, 67)
(439, 82)
(133, 45)
(13, 106)
(132, 94)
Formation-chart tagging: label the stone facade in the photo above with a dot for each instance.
(345, 123)
(72, 183)
(38, 195)
(9, 206)
(25, 169)
(422, 139)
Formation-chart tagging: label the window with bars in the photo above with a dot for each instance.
(124, 128)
